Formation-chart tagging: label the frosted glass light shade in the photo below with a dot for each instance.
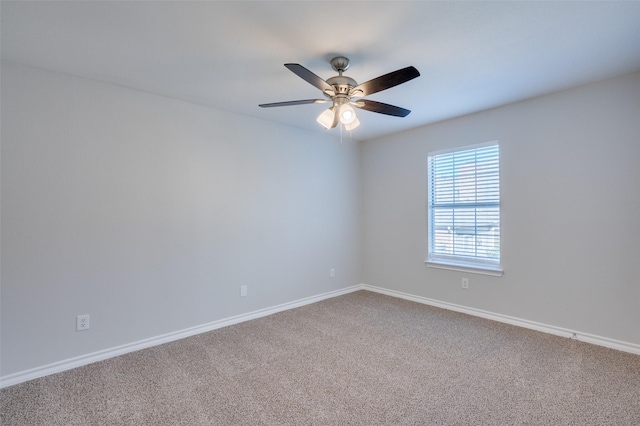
(326, 118)
(347, 114)
(355, 123)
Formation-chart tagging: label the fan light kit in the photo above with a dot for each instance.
(343, 93)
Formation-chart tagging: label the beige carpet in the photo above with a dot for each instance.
(362, 358)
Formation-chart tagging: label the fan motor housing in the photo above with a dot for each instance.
(342, 83)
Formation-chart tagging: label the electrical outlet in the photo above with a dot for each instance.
(243, 291)
(332, 272)
(465, 283)
(82, 322)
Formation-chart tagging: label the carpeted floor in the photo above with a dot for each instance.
(359, 359)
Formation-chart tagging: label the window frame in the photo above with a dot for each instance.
(456, 262)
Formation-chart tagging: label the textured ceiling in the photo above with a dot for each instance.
(230, 55)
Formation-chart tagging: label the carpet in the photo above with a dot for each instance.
(358, 359)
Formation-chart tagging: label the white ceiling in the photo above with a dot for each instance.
(230, 55)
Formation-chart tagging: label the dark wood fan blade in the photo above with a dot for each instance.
(309, 77)
(385, 81)
(381, 108)
(288, 103)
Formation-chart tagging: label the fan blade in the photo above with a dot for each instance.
(310, 77)
(288, 103)
(385, 81)
(381, 108)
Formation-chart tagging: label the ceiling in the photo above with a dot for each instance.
(229, 55)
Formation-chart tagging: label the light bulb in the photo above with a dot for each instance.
(347, 114)
(326, 118)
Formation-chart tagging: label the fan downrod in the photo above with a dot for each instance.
(341, 83)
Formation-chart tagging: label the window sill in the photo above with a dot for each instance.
(494, 272)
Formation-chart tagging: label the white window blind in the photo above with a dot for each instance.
(464, 207)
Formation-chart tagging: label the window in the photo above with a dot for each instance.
(464, 208)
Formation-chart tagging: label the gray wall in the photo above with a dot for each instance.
(148, 214)
(570, 182)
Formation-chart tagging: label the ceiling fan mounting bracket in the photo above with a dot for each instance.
(340, 63)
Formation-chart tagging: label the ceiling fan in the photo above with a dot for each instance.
(344, 93)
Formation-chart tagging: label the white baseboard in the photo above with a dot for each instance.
(545, 328)
(68, 364)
